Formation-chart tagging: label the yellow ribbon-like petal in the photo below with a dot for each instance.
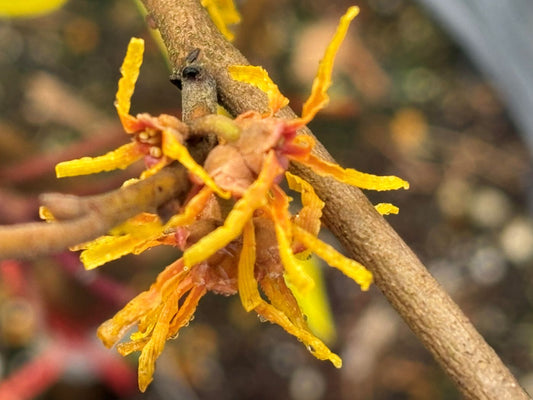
(119, 158)
(134, 236)
(258, 77)
(309, 216)
(126, 85)
(193, 207)
(282, 224)
(248, 292)
(354, 177)
(314, 345)
(155, 345)
(107, 248)
(349, 267)
(319, 98)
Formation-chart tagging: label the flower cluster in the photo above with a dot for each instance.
(253, 249)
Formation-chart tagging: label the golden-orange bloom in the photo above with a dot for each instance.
(259, 243)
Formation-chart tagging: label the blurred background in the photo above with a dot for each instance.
(439, 93)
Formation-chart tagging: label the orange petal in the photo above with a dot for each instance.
(258, 77)
(349, 267)
(246, 282)
(192, 209)
(126, 85)
(113, 329)
(282, 298)
(117, 159)
(319, 98)
(313, 344)
(162, 163)
(155, 345)
(309, 216)
(186, 311)
(282, 225)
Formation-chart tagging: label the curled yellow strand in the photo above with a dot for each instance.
(313, 344)
(193, 207)
(319, 98)
(349, 267)
(152, 350)
(134, 236)
(354, 177)
(309, 216)
(282, 225)
(130, 72)
(248, 292)
(119, 158)
(282, 298)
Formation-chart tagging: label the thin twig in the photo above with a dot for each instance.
(89, 217)
(419, 299)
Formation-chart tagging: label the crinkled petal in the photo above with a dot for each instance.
(352, 176)
(119, 158)
(282, 298)
(107, 248)
(246, 282)
(113, 329)
(313, 344)
(282, 225)
(258, 77)
(386, 208)
(134, 236)
(242, 211)
(126, 85)
(152, 350)
(349, 267)
(319, 98)
(46, 214)
(177, 151)
(193, 207)
(186, 311)
(309, 216)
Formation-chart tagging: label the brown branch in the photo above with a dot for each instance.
(419, 299)
(86, 218)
